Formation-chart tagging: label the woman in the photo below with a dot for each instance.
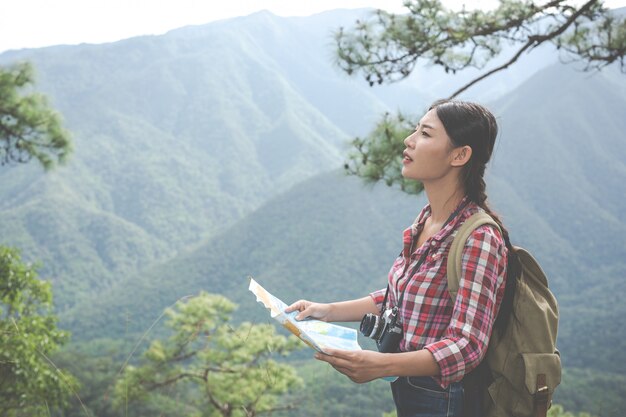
(441, 342)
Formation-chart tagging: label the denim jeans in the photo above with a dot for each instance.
(423, 397)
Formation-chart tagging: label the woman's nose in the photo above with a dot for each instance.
(408, 142)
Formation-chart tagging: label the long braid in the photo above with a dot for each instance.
(473, 125)
(476, 192)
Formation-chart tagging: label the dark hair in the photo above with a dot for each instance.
(470, 124)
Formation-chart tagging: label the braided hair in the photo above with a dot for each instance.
(470, 124)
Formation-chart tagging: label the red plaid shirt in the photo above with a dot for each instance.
(457, 335)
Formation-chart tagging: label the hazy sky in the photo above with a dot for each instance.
(36, 23)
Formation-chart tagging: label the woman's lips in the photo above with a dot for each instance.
(406, 158)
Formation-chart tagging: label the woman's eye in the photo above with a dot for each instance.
(424, 133)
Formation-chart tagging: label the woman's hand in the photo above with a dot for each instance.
(306, 308)
(358, 365)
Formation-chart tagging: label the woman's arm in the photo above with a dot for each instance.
(483, 273)
(365, 365)
(466, 339)
(352, 310)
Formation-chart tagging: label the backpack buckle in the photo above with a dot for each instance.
(542, 396)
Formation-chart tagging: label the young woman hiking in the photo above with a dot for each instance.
(439, 343)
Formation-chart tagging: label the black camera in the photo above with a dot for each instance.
(384, 329)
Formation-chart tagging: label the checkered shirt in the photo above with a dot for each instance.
(457, 335)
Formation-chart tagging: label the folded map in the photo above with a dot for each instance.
(315, 333)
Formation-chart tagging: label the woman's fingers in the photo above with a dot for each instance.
(335, 357)
(340, 364)
(360, 366)
(298, 305)
(309, 311)
(306, 309)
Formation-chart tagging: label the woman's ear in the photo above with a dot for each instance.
(461, 155)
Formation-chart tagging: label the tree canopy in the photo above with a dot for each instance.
(387, 47)
(29, 382)
(376, 157)
(29, 127)
(211, 367)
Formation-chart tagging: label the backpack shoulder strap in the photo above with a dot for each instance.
(456, 250)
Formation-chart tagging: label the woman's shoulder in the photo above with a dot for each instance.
(486, 233)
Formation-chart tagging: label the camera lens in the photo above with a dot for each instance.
(369, 325)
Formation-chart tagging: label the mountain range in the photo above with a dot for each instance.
(213, 153)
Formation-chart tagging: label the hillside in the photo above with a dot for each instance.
(177, 137)
(320, 235)
(181, 135)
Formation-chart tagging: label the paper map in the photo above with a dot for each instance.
(315, 333)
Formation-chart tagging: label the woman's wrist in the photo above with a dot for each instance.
(387, 364)
(330, 315)
(415, 363)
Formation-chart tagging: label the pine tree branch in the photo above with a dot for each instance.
(156, 385)
(210, 396)
(533, 42)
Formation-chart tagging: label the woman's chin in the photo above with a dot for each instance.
(406, 174)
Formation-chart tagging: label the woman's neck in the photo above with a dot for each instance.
(443, 197)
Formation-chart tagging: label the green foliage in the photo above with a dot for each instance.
(387, 47)
(229, 371)
(378, 156)
(96, 364)
(29, 127)
(557, 411)
(600, 393)
(598, 44)
(29, 382)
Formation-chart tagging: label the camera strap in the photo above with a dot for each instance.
(421, 260)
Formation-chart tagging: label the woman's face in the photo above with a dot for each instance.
(428, 153)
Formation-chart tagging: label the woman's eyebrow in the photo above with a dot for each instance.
(424, 126)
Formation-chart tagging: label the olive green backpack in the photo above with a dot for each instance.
(524, 363)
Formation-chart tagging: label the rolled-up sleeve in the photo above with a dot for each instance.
(378, 297)
(480, 291)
